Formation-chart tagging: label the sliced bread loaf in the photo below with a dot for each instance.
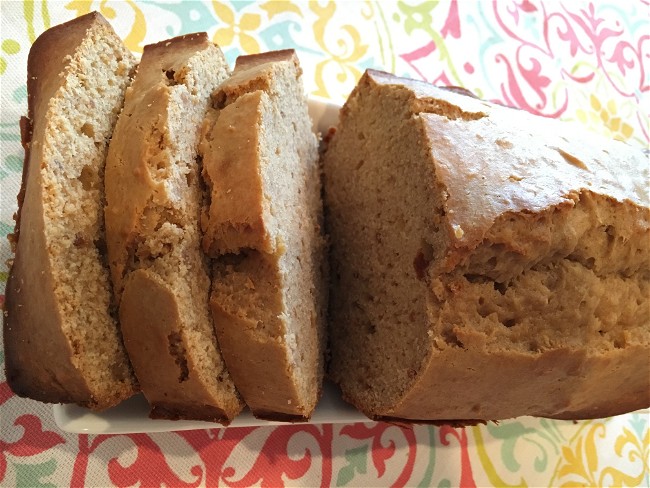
(263, 227)
(61, 339)
(154, 200)
(486, 263)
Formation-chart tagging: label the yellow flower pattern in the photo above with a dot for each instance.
(240, 29)
(134, 39)
(344, 50)
(275, 7)
(605, 115)
(581, 463)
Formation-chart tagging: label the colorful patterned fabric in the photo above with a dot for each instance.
(575, 60)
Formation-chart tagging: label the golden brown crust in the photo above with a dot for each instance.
(280, 417)
(235, 217)
(37, 353)
(179, 47)
(566, 161)
(559, 383)
(144, 121)
(127, 200)
(182, 411)
(157, 347)
(25, 139)
(237, 213)
(251, 60)
(253, 72)
(44, 64)
(254, 361)
(409, 423)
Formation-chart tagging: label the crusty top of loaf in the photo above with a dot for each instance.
(40, 65)
(254, 72)
(167, 60)
(508, 161)
(252, 60)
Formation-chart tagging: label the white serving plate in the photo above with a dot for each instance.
(131, 416)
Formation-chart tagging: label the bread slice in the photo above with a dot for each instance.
(154, 200)
(264, 228)
(486, 263)
(62, 344)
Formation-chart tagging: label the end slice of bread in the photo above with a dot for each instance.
(62, 343)
(263, 226)
(154, 200)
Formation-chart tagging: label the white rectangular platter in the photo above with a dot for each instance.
(131, 416)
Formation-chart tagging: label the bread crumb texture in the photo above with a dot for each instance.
(263, 225)
(154, 204)
(75, 349)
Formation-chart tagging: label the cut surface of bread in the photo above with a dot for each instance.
(263, 227)
(154, 200)
(62, 343)
(486, 263)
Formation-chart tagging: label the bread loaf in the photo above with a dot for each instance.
(154, 200)
(62, 344)
(263, 227)
(486, 263)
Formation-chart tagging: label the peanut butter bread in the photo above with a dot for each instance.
(263, 227)
(486, 263)
(62, 343)
(154, 200)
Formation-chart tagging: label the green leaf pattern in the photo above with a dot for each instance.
(357, 462)
(31, 475)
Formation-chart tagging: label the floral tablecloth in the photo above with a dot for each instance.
(576, 60)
